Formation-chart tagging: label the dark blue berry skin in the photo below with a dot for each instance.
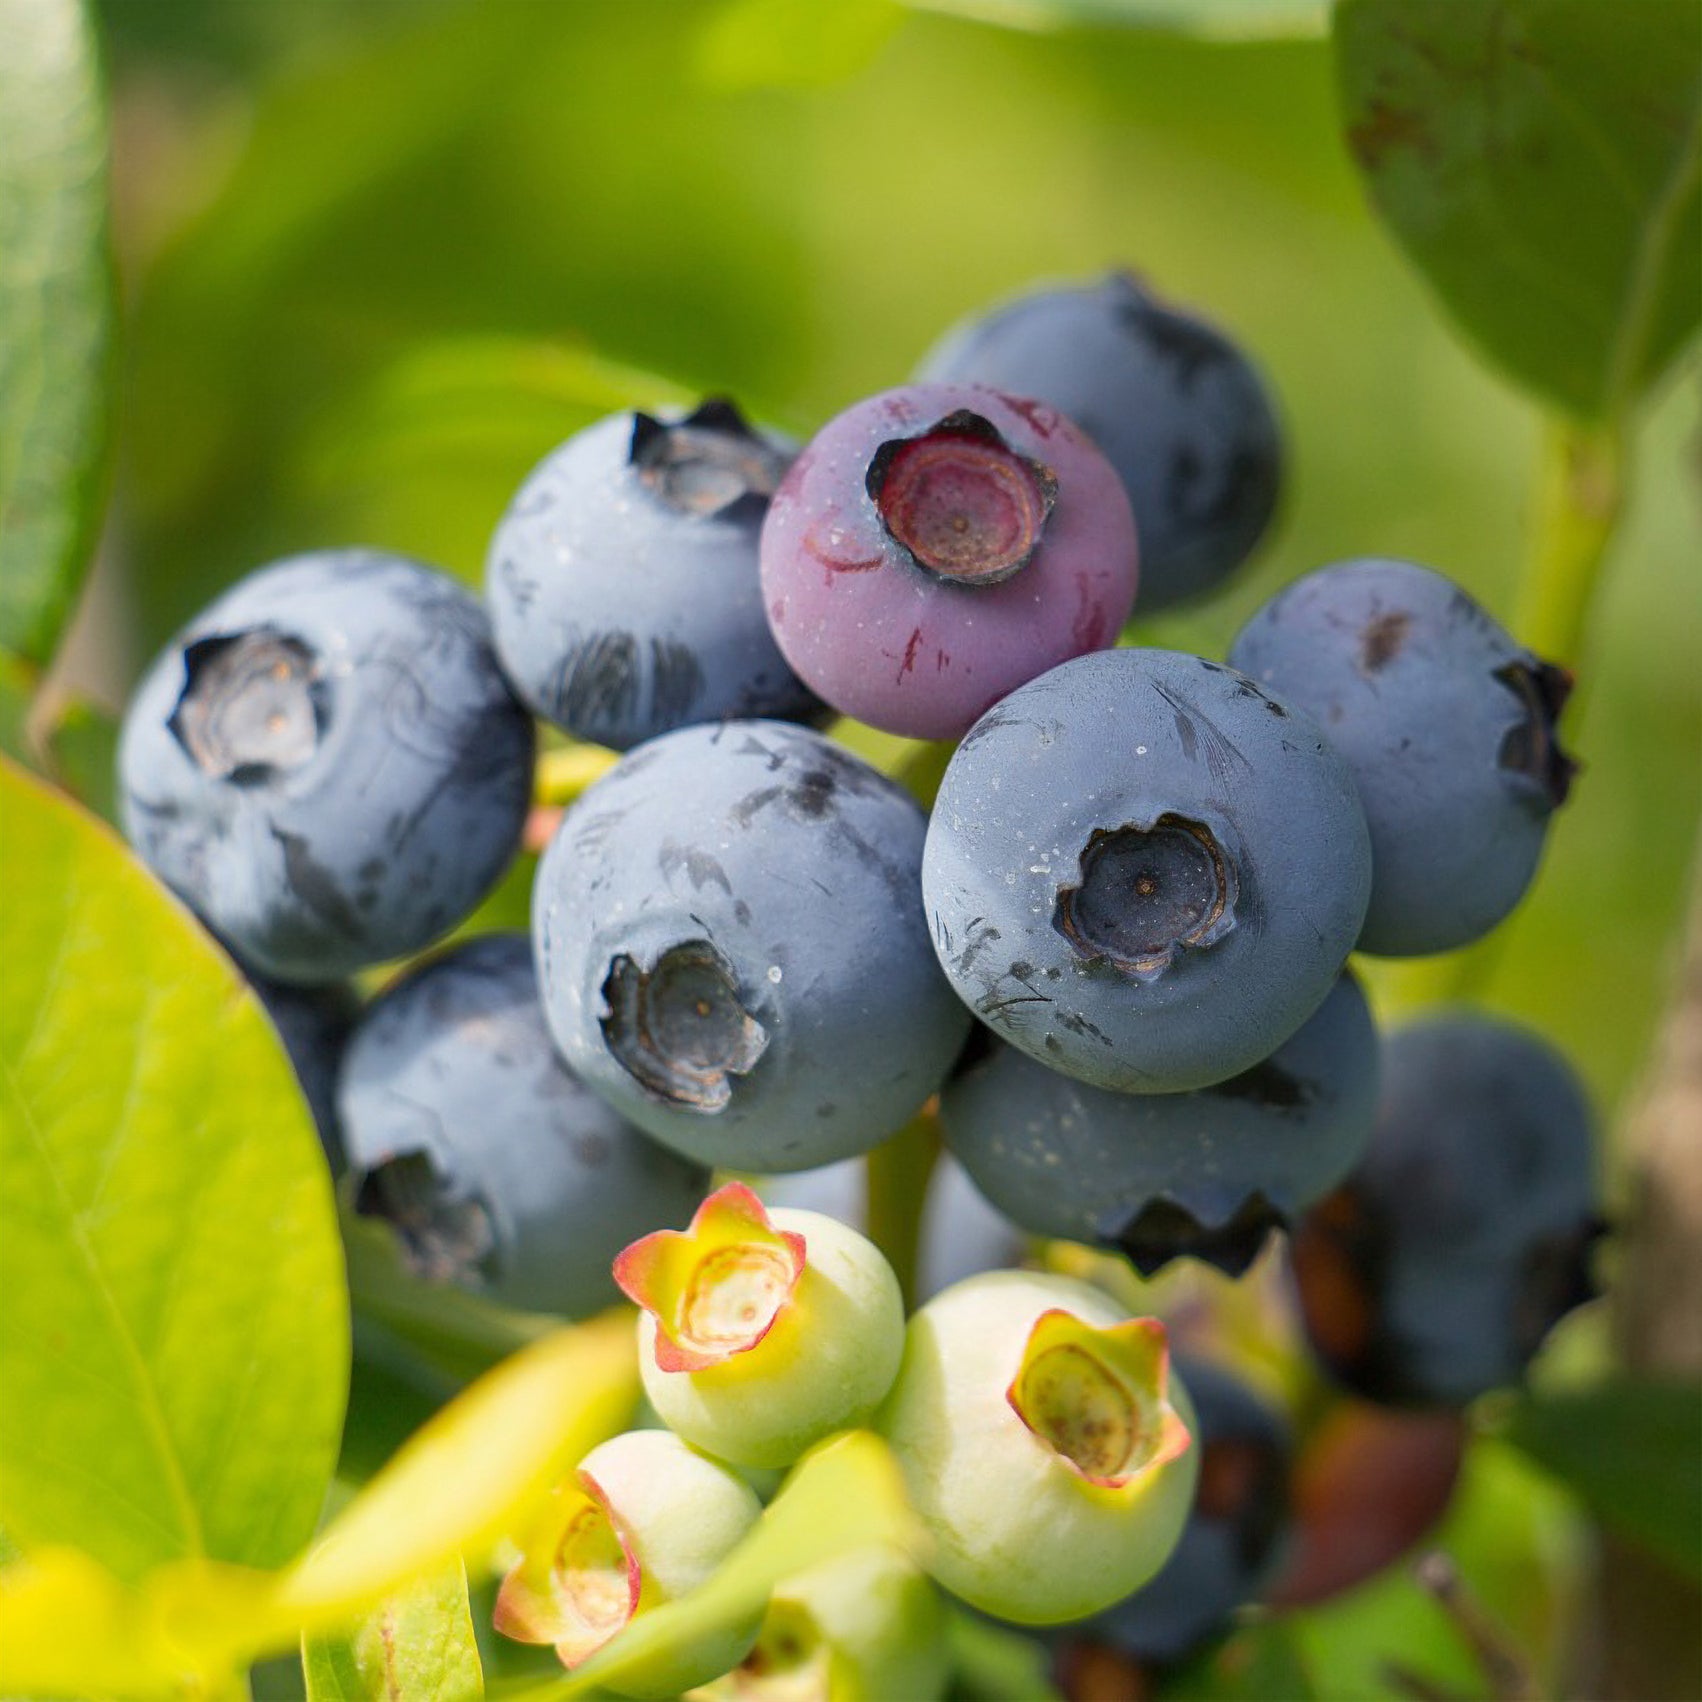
(622, 581)
(327, 764)
(1145, 871)
(1176, 407)
(314, 1024)
(1234, 1533)
(1448, 726)
(732, 950)
(962, 1233)
(1464, 1235)
(1205, 1174)
(499, 1170)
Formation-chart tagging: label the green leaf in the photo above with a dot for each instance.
(56, 312)
(175, 1327)
(1632, 1451)
(750, 44)
(1540, 161)
(417, 1646)
(844, 1495)
(993, 1663)
(1220, 20)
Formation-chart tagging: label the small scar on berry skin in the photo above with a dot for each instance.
(1383, 639)
(252, 705)
(679, 1028)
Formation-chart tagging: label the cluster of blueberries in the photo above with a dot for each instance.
(1116, 950)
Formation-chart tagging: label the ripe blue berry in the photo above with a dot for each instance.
(327, 764)
(732, 952)
(622, 581)
(497, 1168)
(933, 547)
(1176, 407)
(1145, 871)
(1160, 1175)
(1435, 1270)
(1448, 726)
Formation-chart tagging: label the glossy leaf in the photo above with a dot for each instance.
(1540, 161)
(175, 1333)
(56, 313)
(416, 1646)
(1630, 1451)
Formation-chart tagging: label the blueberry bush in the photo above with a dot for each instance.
(849, 851)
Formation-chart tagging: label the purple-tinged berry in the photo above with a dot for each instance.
(933, 547)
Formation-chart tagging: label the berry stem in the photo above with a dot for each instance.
(1579, 500)
(897, 1173)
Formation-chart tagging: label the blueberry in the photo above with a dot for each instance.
(962, 1234)
(1234, 1530)
(1177, 408)
(933, 547)
(1449, 728)
(1206, 1173)
(314, 1024)
(1435, 1270)
(732, 951)
(622, 581)
(498, 1169)
(327, 764)
(1144, 871)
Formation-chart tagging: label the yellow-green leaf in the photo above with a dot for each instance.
(415, 1646)
(55, 314)
(473, 1472)
(175, 1328)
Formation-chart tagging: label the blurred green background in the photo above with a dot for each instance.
(378, 258)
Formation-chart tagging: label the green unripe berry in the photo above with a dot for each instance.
(762, 1332)
(1044, 1444)
(644, 1520)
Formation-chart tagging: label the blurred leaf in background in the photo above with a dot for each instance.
(56, 312)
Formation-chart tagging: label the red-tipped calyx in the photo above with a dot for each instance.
(717, 1288)
(582, 1590)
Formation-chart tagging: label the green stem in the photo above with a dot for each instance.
(564, 773)
(897, 1173)
(1580, 498)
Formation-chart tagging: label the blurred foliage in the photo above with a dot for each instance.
(56, 313)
